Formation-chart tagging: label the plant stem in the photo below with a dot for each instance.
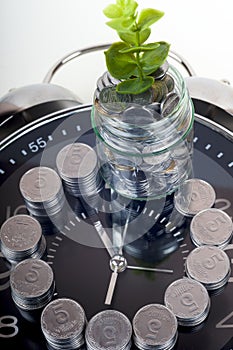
(141, 75)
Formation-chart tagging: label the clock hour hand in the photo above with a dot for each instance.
(117, 264)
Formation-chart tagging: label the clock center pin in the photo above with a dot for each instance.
(118, 263)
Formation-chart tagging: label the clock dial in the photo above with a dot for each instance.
(76, 248)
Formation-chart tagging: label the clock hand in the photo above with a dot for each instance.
(117, 264)
(142, 268)
(104, 238)
(111, 287)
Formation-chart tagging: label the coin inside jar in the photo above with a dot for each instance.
(209, 265)
(108, 330)
(193, 196)
(211, 227)
(32, 284)
(62, 322)
(21, 238)
(155, 328)
(188, 300)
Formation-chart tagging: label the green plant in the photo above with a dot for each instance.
(131, 59)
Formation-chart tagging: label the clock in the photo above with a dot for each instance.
(81, 264)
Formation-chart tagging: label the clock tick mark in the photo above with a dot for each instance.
(50, 138)
(220, 155)
(24, 153)
(195, 139)
(52, 250)
(55, 244)
(183, 245)
(185, 252)
(2, 172)
(208, 146)
(151, 212)
(12, 161)
(67, 228)
(64, 132)
(83, 215)
(58, 238)
(77, 218)
(230, 165)
(50, 256)
(78, 128)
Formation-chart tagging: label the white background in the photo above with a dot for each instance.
(36, 33)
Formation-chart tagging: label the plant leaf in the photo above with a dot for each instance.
(131, 37)
(128, 6)
(113, 11)
(152, 60)
(149, 16)
(121, 24)
(135, 86)
(148, 47)
(120, 65)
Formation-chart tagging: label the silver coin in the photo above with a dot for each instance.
(20, 233)
(161, 71)
(157, 160)
(193, 196)
(62, 323)
(111, 101)
(32, 284)
(169, 82)
(209, 265)
(137, 115)
(77, 165)
(169, 103)
(211, 227)
(76, 160)
(40, 184)
(188, 300)
(108, 330)
(155, 327)
(159, 90)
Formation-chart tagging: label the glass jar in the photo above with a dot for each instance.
(144, 142)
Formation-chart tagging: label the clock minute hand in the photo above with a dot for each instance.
(104, 238)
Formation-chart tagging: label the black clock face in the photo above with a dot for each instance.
(76, 254)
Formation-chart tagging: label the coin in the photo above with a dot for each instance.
(161, 71)
(209, 265)
(188, 300)
(21, 238)
(155, 327)
(211, 227)
(193, 196)
(42, 190)
(108, 330)
(77, 165)
(62, 323)
(169, 103)
(32, 284)
(113, 102)
(137, 115)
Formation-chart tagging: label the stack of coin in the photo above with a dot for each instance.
(78, 167)
(193, 196)
(155, 328)
(211, 227)
(188, 300)
(209, 265)
(107, 330)
(62, 322)
(32, 284)
(42, 190)
(21, 238)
